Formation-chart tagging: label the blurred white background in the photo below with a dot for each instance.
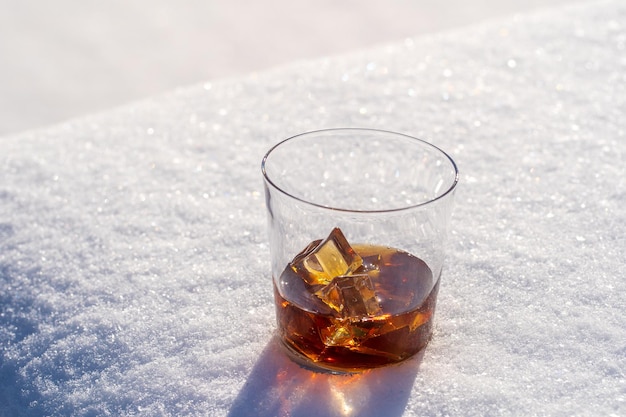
(60, 59)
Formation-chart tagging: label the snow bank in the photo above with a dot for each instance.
(134, 267)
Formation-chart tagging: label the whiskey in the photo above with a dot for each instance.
(379, 313)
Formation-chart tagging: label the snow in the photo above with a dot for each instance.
(73, 57)
(134, 266)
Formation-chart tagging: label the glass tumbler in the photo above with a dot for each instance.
(358, 220)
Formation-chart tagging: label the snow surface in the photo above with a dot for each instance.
(65, 58)
(134, 267)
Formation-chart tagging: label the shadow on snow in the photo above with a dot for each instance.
(277, 386)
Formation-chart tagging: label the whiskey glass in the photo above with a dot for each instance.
(357, 222)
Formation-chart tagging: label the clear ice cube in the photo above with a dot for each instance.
(370, 265)
(342, 332)
(320, 262)
(352, 296)
(338, 334)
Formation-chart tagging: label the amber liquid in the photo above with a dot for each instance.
(404, 287)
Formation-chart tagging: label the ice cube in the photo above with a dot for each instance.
(319, 263)
(338, 334)
(342, 332)
(351, 295)
(331, 296)
(370, 265)
(304, 253)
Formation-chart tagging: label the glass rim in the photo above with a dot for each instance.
(449, 190)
